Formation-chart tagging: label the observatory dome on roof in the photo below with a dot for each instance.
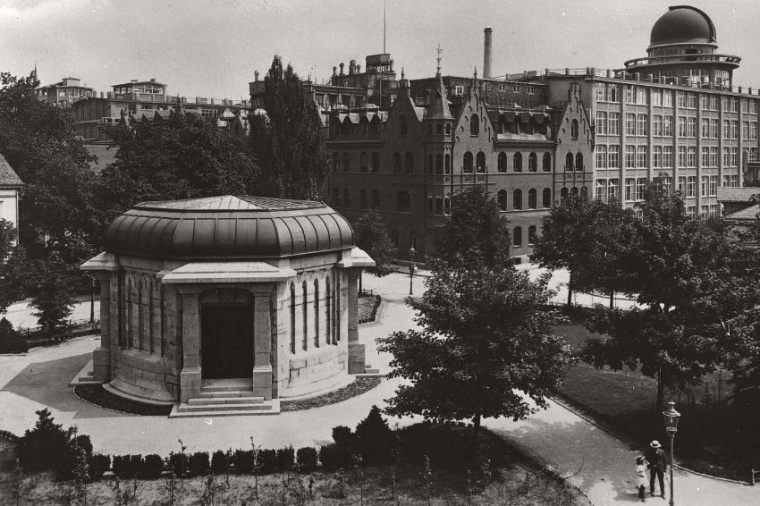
(683, 24)
(227, 228)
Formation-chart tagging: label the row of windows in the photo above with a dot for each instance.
(574, 162)
(365, 127)
(662, 156)
(517, 199)
(662, 126)
(517, 236)
(608, 92)
(330, 335)
(517, 162)
(441, 164)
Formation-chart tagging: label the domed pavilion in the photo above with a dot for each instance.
(231, 302)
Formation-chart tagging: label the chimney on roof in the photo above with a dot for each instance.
(134, 80)
(256, 76)
(487, 54)
(153, 79)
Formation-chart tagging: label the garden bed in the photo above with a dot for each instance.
(358, 387)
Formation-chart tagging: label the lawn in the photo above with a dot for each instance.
(624, 402)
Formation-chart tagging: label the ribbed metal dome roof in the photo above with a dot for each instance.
(228, 228)
(683, 24)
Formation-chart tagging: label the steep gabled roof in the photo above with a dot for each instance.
(439, 105)
(8, 177)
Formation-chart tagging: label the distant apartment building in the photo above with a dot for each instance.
(64, 93)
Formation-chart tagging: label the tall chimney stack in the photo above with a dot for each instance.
(487, 54)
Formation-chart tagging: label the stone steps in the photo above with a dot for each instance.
(213, 401)
(228, 397)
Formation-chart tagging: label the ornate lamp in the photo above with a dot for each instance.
(671, 427)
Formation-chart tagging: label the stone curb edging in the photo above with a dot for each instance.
(564, 404)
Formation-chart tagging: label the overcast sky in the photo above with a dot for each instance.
(211, 48)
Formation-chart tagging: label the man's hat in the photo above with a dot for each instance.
(655, 444)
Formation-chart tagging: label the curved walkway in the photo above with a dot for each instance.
(601, 465)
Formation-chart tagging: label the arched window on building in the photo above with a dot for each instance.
(501, 199)
(532, 235)
(547, 162)
(328, 312)
(569, 162)
(403, 202)
(396, 162)
(532, 162)
(375, 199)
(317, 315)
(532, 198)
(335, 162)
(474, 125)
(439, 164)
(346, 162)
(574, 191)
(574, 129)
(467, 162)
(292, 318)
(336, 197)
(364, 162)
(546, 201)
(304, 308)
(502, 162)
(579, 162)
(563, 193)
(375, 161)
(447, 163)
(395, 237)
(403, 126)
(430, 164)
(517, 199)
(517, 162)
(480, 162)
(517, 237)
(408, 162)
(448, 129)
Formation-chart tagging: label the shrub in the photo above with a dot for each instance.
(178, 463)
(307, 459)
(198, 464)
(342, 435)
(243, 461)
(98, 464)
(286, 457)
(266, 461)
(152, 467)
(375, 441)
(127, 466)
(69, 463)
(219, 462)
(13, 345)
(45, 446)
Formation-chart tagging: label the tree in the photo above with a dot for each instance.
(52, 293)
(486, 347)
(184, 156)
(475, 232)
(669, 264)
(567, 239)
(13, 268)
(286, 138)
(39, 142)
(371, 235)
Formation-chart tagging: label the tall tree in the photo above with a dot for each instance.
(287, 139)
(51, 291)
(567, 239)
(372, 236)
(675, 338)
(475, 232)
(184, 156)
(13, 267)
(40, 144)
(486, 347)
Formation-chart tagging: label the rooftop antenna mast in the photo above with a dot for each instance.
(438, 59)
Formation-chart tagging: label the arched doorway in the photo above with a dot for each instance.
(226, 334)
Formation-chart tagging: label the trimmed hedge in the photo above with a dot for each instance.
(199, 464)
(220, 462)
(266, 461)
(242, 460)
(307, 459)
(152, 467)
(97, 465)
(13, 345)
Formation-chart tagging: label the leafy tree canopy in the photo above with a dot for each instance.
(475, 232)
(372, 236)
(486, 347)
(287, 139)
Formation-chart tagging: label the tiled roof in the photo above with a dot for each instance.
(748, 213)
(737, 194)
(8, 177)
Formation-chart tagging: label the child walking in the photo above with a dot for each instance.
(641, 475)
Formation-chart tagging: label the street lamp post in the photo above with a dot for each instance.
(671, 427)
(412, 251)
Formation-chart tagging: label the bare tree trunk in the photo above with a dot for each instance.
(570, 290)
(660, 392)
(612, 299)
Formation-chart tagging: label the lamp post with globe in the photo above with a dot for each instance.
(671, 427)
(412, 251)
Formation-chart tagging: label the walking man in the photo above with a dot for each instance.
(657, 466)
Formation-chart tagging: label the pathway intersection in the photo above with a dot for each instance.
(601, 465)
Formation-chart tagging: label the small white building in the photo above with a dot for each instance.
(10, 185)
(228, 302)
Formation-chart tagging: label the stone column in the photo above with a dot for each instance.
(101, 357)
(190, 376)
(356, 359)
(262, 342)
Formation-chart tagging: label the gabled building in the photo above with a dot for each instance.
(10, 186)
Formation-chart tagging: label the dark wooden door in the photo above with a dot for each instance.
(227, 341)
